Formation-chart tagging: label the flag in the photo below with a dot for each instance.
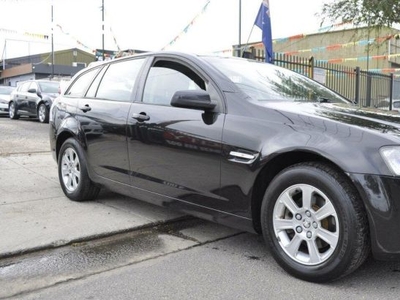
(263, 21)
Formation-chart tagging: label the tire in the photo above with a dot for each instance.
(12, 111)
(43, 113)
(73, 174)
(314, 223)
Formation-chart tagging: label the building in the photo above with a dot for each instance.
(66, 64)
(373, 49)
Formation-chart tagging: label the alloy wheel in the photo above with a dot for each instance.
(306, 224)
(70, 169)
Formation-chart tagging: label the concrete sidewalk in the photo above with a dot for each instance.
(35, 214)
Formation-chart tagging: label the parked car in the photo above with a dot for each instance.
(33, 98)
(5, 92)
(385, 104)
(242, 143)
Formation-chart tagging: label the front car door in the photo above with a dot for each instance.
(176, 152)
(22, 97)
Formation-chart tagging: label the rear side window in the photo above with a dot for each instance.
(81, 84)
(119, 79)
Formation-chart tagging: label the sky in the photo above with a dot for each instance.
(146, 24)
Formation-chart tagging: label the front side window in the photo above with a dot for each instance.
(24, 87)
(119, 79)
(165, 78)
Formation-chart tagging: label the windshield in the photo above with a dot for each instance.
(49, 87)
(6, 90)
(264, 82)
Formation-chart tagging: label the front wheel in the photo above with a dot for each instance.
(12, 111)
(73, 174)
(314, 223)
(43, 113)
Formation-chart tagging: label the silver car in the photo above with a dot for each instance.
(5, 92)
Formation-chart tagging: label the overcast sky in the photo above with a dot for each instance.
(147, 24)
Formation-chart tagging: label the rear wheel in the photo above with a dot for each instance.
(314, 223)
(12, 111)
(73, 174)
(43, 113)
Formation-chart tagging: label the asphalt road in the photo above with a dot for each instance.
(190, 259)
(26, 135)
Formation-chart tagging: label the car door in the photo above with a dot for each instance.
(102, 114)
(33, 98)
(176, 152)
(21, 97)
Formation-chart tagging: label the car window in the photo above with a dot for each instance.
(165, 78)
(6, 90)
(119, 79)
(79, 86)
(33, 85)
(266, 82)
(24, 87)
(49, 87)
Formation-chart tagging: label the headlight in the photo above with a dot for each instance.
(391, 156)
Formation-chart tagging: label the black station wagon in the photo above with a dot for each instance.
(242, 143)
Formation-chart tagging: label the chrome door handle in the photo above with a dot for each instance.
(141, 117)
(85, 108)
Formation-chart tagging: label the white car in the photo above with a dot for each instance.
(5, 92)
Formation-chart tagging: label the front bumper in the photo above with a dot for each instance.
(381, 195)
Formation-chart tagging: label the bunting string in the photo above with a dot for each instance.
(74, 38)
(340, 46)
(188, 27)
(29, 34)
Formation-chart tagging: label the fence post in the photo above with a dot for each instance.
(369, 89)
(311, 67)
(357, 92)
(391, 91)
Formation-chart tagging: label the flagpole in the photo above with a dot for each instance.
(248, 38)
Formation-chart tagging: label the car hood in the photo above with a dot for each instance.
(4, 98)
(369, 118)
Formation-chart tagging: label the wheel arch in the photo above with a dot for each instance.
(276, 165)
(69, 129)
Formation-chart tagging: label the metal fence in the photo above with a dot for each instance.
(368, 89)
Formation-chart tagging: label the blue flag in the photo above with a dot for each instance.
(263, 21)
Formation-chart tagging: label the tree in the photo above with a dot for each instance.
(359, 12)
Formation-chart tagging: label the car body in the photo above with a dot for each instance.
(5, 95)
(33, 98)
(238, 142)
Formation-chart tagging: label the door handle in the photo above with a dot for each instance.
(85, 108)
(141, 117)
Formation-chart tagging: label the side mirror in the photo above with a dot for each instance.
(193, 99)
(33, 91)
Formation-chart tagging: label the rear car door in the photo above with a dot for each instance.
(176, 152)
(102, 114)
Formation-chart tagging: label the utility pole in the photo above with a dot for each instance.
(240, 29)
(52, 42)
(102, 25)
